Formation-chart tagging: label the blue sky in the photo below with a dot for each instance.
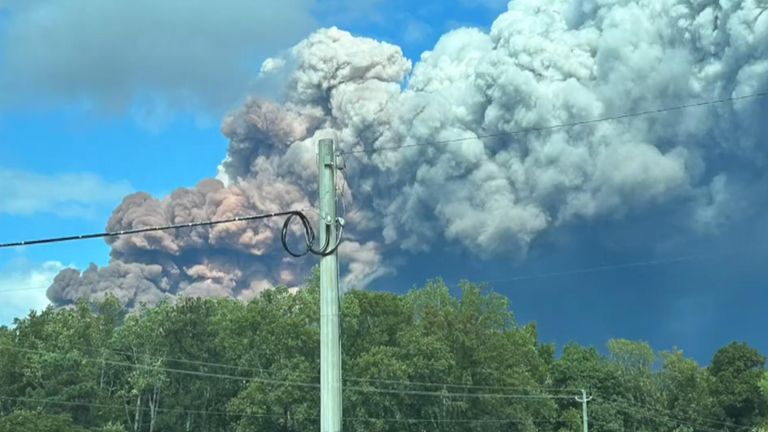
(68, 156)
(142, 146)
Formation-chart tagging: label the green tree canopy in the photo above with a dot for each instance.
(431, 359)
(36, 421)
(737, 372)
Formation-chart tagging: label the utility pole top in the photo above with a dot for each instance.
(584, 419)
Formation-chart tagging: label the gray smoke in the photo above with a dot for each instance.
(541, 64)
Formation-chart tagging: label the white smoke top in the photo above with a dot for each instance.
(541, 64)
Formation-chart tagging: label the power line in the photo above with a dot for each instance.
(567, 125)
(622, 407)
(460, 386)
(309, 236)
(541, 396)
(100, 405)
(166, 369)
(309, 233)
(662, 410)
(585, 270)
(23, 289)
(293, 213)
(299, 214)
(373, 380)
(597, 269)
(292, 383)
(644, 413)
(276, 416)
(425, 420)
(464, 395)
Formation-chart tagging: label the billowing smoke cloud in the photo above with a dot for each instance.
(541, 64)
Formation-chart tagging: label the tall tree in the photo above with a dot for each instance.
(31, 421)
(737, 372)
(684, 387)
(427, 360)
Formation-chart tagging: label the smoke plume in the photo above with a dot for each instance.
(541, 64)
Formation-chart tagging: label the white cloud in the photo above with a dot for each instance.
(69, 194)
(23, 289)
(192, 55)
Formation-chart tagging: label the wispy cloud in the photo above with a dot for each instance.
(416, 31)
(181, 55)
(23, 287)
(68, 194)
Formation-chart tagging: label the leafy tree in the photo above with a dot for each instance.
(427, 360)
(112, 427)
(737, 372)
(31, 421)
(584, 368)
(684, 386)
(283, 338)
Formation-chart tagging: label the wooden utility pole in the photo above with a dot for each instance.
(330, 342)
(584, 420)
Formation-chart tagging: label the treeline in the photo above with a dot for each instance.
(424, 361)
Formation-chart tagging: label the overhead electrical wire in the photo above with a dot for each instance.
(373, 380)
(444, 421)
(627, 403)
(307, 231)
(307, 228)
(536, 396)
(121, 407)
(275, 416)
(445, 394)
(565, 125)
(622, 407)
(287, 382)
(11, 290)
(643, 412)
(608, 267)
(145, 230)
(460, 386)
(166, 369)
(309, 236)
(577, 271)
(108, 234)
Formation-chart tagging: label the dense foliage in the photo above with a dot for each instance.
(423, 361)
